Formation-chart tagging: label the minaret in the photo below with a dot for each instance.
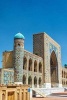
(18, 57)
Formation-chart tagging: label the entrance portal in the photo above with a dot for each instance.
(11, 96)
(54, 69)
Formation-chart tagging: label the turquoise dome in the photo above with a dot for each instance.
(19, 36)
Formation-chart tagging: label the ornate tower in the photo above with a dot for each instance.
(18, 57)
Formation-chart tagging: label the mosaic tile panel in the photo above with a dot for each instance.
(18, 63)
(53, 48)
(8, 77)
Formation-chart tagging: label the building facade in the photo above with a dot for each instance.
(14, 92)
(50, 51)
(64, 77)
(42, 68)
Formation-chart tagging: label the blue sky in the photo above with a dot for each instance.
(33, 16)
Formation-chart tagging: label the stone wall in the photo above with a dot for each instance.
(7, 61)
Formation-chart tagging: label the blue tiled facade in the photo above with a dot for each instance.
(53, 48)
(8, 77)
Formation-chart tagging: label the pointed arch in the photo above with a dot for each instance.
(24, 79)
(62, 82)
(25, 63)
(30, 65)
(53, 68)
(40, 67)
(35, 66)
(35, 81)
(62, 73)
(40, 81)
(30, 80)
(66, 82)
(66, 75)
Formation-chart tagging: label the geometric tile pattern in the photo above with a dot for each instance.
(8, 77)
(53, 48)
(18, 63)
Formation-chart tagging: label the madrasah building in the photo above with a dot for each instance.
(42, 68)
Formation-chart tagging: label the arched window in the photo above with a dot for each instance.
(40, 81)
(25, 63)
(62, 73)
(66, 82)
(18, 44)
(53, 68)
(24, 79)
(40, 67)
(29, 80)
(35, 66)
(66, 75)
(35, 81)
(62, 82)
(30, 65)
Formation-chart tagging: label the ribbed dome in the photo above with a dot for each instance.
(19, 36)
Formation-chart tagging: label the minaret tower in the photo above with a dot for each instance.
(18, 57)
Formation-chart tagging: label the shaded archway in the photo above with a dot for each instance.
(40, 67)
(62, 82)
(66, 75)
(24, 79)
(25, 63)
(40, 81)
(62, 73)
(30, 65)
(35, 66)
(30, 80)
(54, 69)
(35, 81)
(66, 82)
